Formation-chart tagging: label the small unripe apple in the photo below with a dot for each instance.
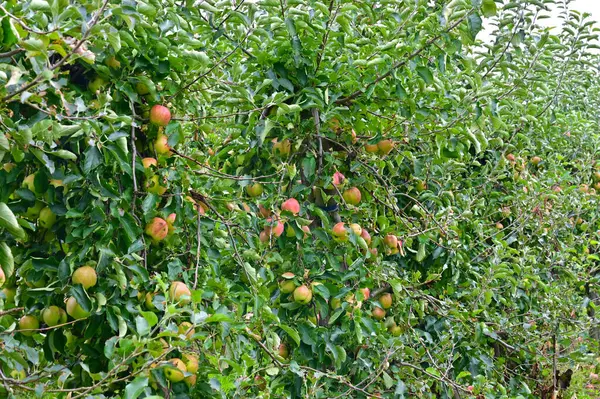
(371, 148)
(356, 229)
(63, 316)
(2, 277)
(148, 162)
(287, 286)
(28, 322)
(536, 160)
(264, 212)
(254, 190)
(33, 212)
(264, 236)
(386, 300)
(274, 227)
(178, 290)
(9, 166)
(510, 157)
(28, 182)
(160, 115)
(86, 276)
(161, 144)
(339, 231)
(378, 313)
(396, 331)
(191, 363)
(75, 310)
(391, 241)
(96, 84)
(499, 226)
(302, 294)
(283, 350)
(366, 236)
(141, 89)
(385, 146)
(157, 229)
(153, 186)
(291, 205)
(338, 179)
(47, 218)
(175, 371)
(352, 196)
(112, 62)
(306, 231)
(9, 293)
(51, 315)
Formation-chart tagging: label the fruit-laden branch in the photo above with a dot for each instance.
(348, 99)
(40, 76)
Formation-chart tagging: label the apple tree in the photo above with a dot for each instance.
(229, 199)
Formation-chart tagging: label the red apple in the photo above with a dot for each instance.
(283, 350)
(378, 313)
(366, 293)
(157, 229)
(510, 157)
(366, 236)
(536, 160)
(302, 294)
(291, 205)
(391, 241)
(160, 115)
(338, 179)
(386, 300)
(339, 231)
(275, 228)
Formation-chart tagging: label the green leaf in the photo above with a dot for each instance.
(9, 222)
(293, 334)
(6, 259)
(142, 326)
(135, 388)
(425, 74)
(488, 8)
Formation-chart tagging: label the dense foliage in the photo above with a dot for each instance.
(286, 198)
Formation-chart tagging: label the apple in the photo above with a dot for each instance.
(9, 166)
(161, 144)
(391, 241)
(371, 148)
(86, 276)
(385, 146)
(63, 316)
(33, 212)
(276, 230)
(9, 293)
(30, 323)
(338, 179)
(291, 205)
(141, 89)
(260, 382)
(352, 196)
(335, 303)
(254, 190)
(283, 350)
(421, 186)
(160, 115)
(191, 362)
(148, 162)
(75, 310)
(339, 231)
(499, 226)
(386, 300)
(302, 294)
(597, 175)
(47, 218)
(306, 231)
(263, 236)
(175, 371)
(18, 374)
(171, 223)
(157, 229)
(153, 186)
(584, 188)
(112, 62)
(148, 300)
(510, 157)
(186, 328)
(536, 160)
(28, 182)
(287, 286)
(178, 290)
(396, 331)
(356, 229)
(51, 315)
(190, 380)
(366, 292)
(2, 277)
(264, 212)
(378, 313)
(366, 236)
(282, 148)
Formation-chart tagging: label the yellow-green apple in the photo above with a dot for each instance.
(75, 310)
(153, 186)
(254, 190)
(178, 291)
(356, 229)
(352, 196)
(51, 315)
(371, 148)
(175, 371)
(536, 160)
(161, 144)
(339, 231)
(378, 313)
(29, 324)
(33, 212)
(385, 146)
(186, 328)
(386, 300)
(47, 218)
(148, 162)
(391, 241)
(86, 276)
(191, 362)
